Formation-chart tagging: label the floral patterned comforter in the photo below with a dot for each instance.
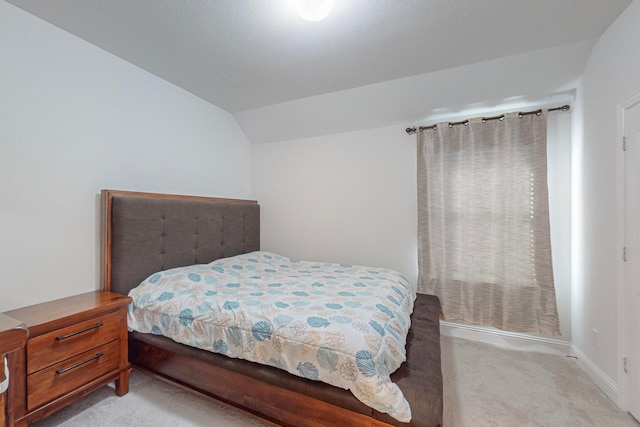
(341, 324)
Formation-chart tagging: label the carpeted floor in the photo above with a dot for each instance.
(483, 386)
(488, 386)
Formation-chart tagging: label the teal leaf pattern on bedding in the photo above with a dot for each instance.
(342, 324)
(328, 359)
(282, 320)
(166, 296)
(165, 321)
(220, 347)
(204, 307)
(383, 308)
(230, 305)
(234, 335)
(318, 322)
(376, 326)
(308, 370)
(186, 317)
(261, 331)
(365, 363)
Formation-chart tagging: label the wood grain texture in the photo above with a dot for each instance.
(48, 384)
(64, 400)
(13, 334)
(3, 418)
(48, 316)
(17, 393)
(122, 382)
(13, 337)
(120, 193)
(279, 405)
(58, 345)
(43, 382)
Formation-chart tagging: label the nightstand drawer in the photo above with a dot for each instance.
(61, 344)
(76, 345)
(59, 379)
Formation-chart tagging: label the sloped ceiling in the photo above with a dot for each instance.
(259, 61)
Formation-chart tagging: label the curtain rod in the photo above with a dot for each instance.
(485, 119)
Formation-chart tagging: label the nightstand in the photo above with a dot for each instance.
(76, 345)
(13, 337)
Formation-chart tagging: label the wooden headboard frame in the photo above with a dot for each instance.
(147, 232)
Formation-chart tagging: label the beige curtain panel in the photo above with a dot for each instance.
(483, 223)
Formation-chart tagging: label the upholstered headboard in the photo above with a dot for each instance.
(146, 232)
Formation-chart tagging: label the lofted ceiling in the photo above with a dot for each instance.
(251, 56)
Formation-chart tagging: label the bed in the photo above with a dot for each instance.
(145, 233)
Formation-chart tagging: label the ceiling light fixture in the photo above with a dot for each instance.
(314, 10)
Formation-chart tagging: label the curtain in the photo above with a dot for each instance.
(483, 223)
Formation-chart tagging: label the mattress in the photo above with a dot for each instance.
(340, 324)
(419, 378)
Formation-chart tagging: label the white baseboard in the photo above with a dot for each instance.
(606, 384)
(509, 340)
(525, 342)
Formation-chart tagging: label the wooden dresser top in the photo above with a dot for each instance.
(13, 334)
(47, 316)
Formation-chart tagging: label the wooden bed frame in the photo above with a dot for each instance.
(145, 232)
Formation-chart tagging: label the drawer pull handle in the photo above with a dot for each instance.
(68, 368)
(73, 334)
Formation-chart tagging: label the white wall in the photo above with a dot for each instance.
(75, 119)
(351, 197)
(612, 75)
(559, 182)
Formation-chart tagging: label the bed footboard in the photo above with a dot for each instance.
(287, 400)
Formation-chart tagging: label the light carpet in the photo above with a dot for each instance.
(483, 386)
